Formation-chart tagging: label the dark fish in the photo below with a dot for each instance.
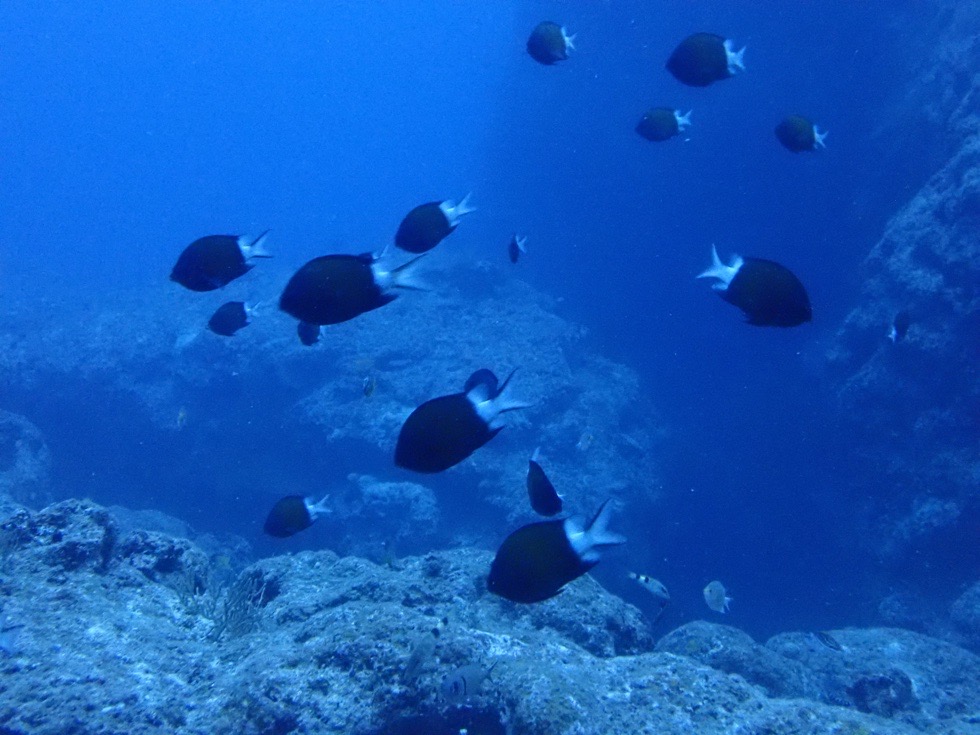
(368, 386)
(768, 293)
(215, 261)
(465, 682)
(444, 431)
(229, 318)
(663, 123)
(535, 562)
(309, 334)
(429, 224)
(516, 247)
(545, 500)
(336, 288)
(900, 326)
(704, 58)
(797, 134)
(549, 42)
(293, 514)
(828, 640)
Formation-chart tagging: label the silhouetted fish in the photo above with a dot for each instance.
(444, 431)
(542, 494)
(663, 123)
(229, 318)
(429, 224)
(797, 134)
(768, 293)
(827, 640)
(336, 288)
(516, 247)
(293, 514)
(536, 561)
(900, 326)
(211, 262)
(704, 58)
(549, 42)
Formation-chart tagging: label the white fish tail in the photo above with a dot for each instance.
(569, 40)
(893, 335)
(521, 243)
(736, 60)
(504, 400)
(724, 273)
(454, 212)
(598, 531)
(319, 508)
(683, 121)
(256, 248)
(405, 276)
(819, 138)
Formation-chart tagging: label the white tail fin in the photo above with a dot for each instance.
(455, 212)
(317, 509)
(683, 121)
(587, 542)
(255, 249)
(569, 40)
(404, 276)
(736, 60)
(724, 273)
(818, 137)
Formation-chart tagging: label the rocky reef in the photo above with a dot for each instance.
(106, 630)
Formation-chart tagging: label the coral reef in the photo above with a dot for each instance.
(123, 632)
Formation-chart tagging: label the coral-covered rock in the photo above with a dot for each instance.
(25, 460)
(965, 614)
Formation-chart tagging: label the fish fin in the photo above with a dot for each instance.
(569, 40)
(598, 529)
(464, 206)
(318, 509)
(521, 243)
(683, 121)
(893, 335)
(724, 273)
(404, 276)
(537, 453)
(256, 249)
(504, 401)
(736, 60)
(819, 138)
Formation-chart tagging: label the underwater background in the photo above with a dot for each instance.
(736, 453)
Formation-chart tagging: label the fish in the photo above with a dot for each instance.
(230, 317)
(444, 431)
(337, 288)
(797, 134)
(663, 123)
(293, 514)
(545, 500)
(704, 58)
(549, 43)
(654, 586)
(716, 597)
(585, 441)
(181, 418)
(368, 386)
(535, 562)
(516, 247)
(465, 682)
(828, 640)
(768, 293)
(429, 224)
(212, 262)
(900, 327)
(423, 651)
(309, 334)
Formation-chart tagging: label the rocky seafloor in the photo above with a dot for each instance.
(109, 627)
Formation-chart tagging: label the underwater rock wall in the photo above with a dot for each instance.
(110, 630)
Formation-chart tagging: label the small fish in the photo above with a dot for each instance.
(797, 134)
(549, 43)
(429, 224)
(370, 383)
(704, 58)
(516, 248)
(181, 418)
(536, 561)
(716, 597)
(230, 317)
(214, 261)
(828, 640)
(293, 514)
(585, 441)
(444, 431)
(900, 327)
(336, 288)
(654, 586)
(662, 123)
(545, 500)
(309, 334)
(465, 682)
(768, 293)
(423, 651)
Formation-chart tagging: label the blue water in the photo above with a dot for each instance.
(131, 128)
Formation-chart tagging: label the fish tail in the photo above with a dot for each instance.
(504, 400)
(464, 206)
(598, 529)
(257, 247)
(404, 276)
